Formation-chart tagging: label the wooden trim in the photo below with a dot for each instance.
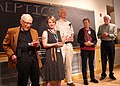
(79, 75)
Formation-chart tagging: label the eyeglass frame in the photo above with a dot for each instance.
(27, 23)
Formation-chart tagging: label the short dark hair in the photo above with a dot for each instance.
(86, 19)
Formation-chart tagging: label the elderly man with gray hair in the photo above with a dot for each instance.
(20, 45)
(67, 33)
(107, 33)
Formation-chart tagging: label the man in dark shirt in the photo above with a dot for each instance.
(20, 45)
(87, 40)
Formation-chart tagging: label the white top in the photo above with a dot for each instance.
(65, 28)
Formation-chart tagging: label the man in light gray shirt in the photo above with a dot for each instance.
(107, 33)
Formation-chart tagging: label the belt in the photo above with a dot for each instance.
(67, 42)
(21, 53)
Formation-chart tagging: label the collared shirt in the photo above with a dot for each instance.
(111, 29)
(65, 27)
(23, 40)
(87, 35)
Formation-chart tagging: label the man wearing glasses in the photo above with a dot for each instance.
(20, 45)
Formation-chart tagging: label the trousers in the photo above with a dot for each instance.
(27, 67)
(107, 53)
(87, 56)
(67, 53)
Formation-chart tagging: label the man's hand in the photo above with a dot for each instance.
(67, 39)
(88, 43)
(105, 34)
(36, 43)
(14, 58)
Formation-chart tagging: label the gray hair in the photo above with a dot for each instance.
(26, 16)
(107, 16)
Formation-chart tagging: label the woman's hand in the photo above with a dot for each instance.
(59, 44)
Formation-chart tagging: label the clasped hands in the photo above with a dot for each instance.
(88, 43)
(105, 34)
(64, 39)
(59, 44)
(67, 39)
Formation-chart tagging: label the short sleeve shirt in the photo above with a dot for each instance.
(65, 27)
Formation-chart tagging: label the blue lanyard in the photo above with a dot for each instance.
(56, 36)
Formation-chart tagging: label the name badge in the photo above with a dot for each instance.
(58, 49)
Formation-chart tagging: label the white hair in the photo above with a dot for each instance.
(26, 16)
(107, 16)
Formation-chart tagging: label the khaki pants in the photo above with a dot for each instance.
(67, 52)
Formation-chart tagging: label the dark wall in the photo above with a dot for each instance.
(10, 12)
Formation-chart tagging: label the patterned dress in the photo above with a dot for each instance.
(54, 68)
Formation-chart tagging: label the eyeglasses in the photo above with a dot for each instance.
(27, 23)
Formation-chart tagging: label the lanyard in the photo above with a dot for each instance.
(56, 36)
